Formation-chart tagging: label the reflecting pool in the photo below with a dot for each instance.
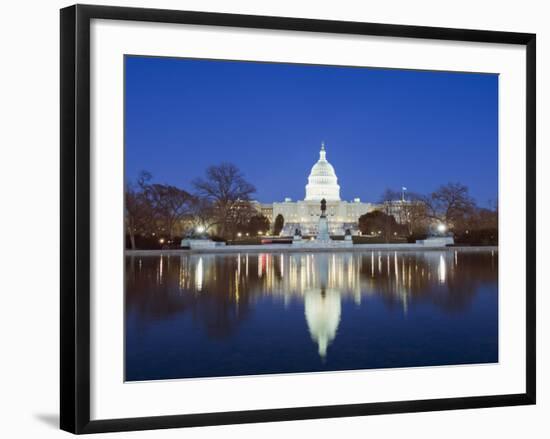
(208, 315)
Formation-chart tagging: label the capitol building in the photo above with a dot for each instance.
(304, 215)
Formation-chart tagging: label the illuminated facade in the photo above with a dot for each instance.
(304, 214)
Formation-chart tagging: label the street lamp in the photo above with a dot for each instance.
(441, 228)
(239, 234)
(200, 229)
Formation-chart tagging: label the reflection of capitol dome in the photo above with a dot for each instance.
(322, 309)
(322, 180)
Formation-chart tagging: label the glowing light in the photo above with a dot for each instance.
(239, 234)
(161, 241)
(199, 275)
(200, 229)
(442, 270)
(441, 228)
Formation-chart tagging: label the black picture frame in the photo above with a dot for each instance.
(75, 217)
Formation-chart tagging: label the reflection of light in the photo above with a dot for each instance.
(328, 283)
(237, 295)
(182, 274)
(199, 275)
(442, 270)
(396, 264)
(161, 265)
(261, 264)
(350, 270)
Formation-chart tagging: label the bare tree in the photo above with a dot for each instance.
(138, 212)
(171, 205)
(238, 219)
(392, 204)
(408, 210)
(450, 204)
(414, 211)
(202, 214)
(226, 189)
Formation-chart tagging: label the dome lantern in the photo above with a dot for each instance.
(322, 153)
(322, 180)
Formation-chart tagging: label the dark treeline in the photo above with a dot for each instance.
(450, 210)
(220, 206)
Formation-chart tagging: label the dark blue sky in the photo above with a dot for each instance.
(383, 128)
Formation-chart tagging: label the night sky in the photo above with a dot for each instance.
(382, 128)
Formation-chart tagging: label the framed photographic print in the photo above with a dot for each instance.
(268, 218)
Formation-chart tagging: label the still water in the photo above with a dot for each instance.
(241, 314)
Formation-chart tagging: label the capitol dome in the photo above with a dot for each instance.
(322, 180)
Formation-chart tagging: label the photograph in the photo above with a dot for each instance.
(296, 218)
(275, 219)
